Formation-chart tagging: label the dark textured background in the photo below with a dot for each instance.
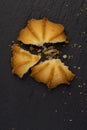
(26, 104)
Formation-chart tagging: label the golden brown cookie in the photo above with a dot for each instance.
(22, 60)
(52, 73)
(38, 32)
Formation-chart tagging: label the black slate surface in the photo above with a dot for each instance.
(26, 104)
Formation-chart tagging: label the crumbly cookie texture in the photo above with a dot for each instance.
(38, 32)
(52, 73)
(22, 60)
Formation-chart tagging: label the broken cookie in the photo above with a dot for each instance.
(52, 73)
(22, 60)
(38, 32)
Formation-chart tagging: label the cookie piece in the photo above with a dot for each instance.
(38, 32)
(52, 73)
(22, 60)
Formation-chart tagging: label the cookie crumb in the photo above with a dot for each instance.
(70, 93)
(9, 45)
(13, 128)
(75, 44)
(56, 110)
(64, 45)
(70, 120)
(31, 48)
(66, 41)
(86, 99)
(13, 41)
(83, 32)
(81, 10)
(84, 84)
(67, 5)
(40, 54)
(79, 46)
(63, 91)
(78, 68)
(65, 56)
(81, 93)
(48, 9)
(43, 95)
(80, 86)
(75, 67)
(39, 50)
(65, 103)
(82, 111)
(70, 56)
